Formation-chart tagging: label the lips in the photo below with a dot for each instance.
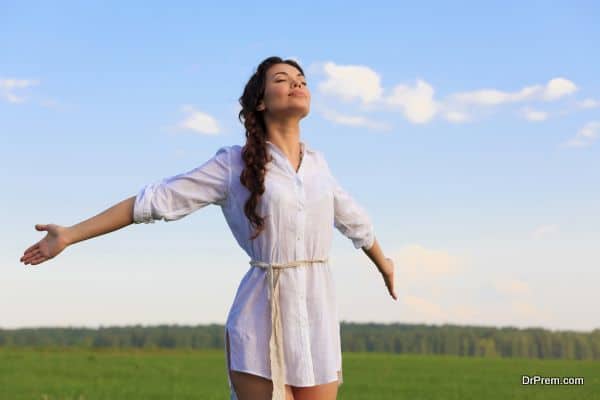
(297, 93)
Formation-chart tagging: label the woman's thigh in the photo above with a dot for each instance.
(252, 387)
(326, 391)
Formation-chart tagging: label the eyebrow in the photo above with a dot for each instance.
(299, 74)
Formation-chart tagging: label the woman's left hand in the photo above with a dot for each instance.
(387, 271)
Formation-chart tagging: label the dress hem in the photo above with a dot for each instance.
(337, 377)
(266, 376)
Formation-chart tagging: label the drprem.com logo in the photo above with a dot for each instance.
(551, 380)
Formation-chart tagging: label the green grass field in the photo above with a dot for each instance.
(70, 374)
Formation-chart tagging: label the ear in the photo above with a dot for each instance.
(261, 106)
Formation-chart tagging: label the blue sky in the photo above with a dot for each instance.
(468, 132)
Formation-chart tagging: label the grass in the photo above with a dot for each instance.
(72, 374)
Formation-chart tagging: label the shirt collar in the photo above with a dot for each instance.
(305, 147)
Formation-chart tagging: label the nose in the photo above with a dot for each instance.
(296, 82)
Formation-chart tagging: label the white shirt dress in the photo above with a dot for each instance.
(302, 207)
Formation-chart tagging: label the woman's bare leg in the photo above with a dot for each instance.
(326, 391)
(252, 387)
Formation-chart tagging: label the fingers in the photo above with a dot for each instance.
(26, 256)
(390, 279)
(32, 248)
(38, 259)
(29, 257)
(31, 254)
(390, 286)
(391, 290)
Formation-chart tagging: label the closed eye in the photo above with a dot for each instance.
(284, 80)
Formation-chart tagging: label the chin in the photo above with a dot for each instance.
(299, 112)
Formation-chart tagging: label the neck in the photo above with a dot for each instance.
(286, 136)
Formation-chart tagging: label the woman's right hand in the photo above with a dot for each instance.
(47, 248)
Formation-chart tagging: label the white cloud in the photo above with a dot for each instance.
(349, 82)
(553, 90)
(520, 299)
(557, 88)
(352, 120)
(424, 308)
(589, 103)
(435, 287)
(466, 312)
(456, 116)
(529, 310)
(544, 231)
(512, 287)
(8, 86)
(534, 115)
(420, 263)
(483, 97)
(416, 102)
(585, 136)
(199, 121)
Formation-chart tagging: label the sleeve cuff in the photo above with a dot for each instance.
(367, 241)
(142, 213)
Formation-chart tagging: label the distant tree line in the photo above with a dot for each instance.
(468, 341)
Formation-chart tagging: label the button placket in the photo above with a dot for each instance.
(300, 220)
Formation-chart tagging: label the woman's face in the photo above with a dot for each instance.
(286, 93)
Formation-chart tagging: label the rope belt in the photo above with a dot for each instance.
(275, 342)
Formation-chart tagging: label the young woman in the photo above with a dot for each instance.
(281, 202)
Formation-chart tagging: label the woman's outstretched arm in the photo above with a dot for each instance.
(59, 237)
(352, 220)
(111, 219)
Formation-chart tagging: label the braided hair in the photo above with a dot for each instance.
(254, 152)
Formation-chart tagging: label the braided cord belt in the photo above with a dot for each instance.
(275, 342)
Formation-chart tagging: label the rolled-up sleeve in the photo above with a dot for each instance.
(175, 197)
(350, 218)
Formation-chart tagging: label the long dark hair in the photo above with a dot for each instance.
(254, 152)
